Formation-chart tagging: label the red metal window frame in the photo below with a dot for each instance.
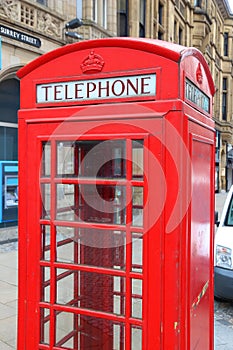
(53, 265)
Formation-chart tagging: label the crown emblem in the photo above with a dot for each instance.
(199, 75)
(92, 64)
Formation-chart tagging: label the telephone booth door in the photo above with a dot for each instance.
(91, 215)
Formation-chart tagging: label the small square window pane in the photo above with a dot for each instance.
(137, 252)
(136, 298)
(137, 159)
(45, 242)
(44, 326)
(66, 158)
(45, 198)
(46, 159)
(136, 338)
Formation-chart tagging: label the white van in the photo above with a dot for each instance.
(223, 250)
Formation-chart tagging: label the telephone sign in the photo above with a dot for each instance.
(97, 89)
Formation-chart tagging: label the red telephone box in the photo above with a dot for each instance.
(116, 181)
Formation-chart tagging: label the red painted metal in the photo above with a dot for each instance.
(116, 174)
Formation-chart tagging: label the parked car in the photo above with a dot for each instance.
(223, 250)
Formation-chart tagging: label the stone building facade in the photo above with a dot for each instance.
(29, 28)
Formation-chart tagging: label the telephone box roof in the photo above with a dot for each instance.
(169, 50)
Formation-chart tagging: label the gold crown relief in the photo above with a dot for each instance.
(92, 64)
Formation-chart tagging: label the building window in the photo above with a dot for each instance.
(8, 142)
(104, 14)
(160, 35)
(94, 11)
(180, 36)
(160, 13)
(122, 17)
(175, 31)
(27, 15)
(224, 99)
(142, 18)
(43, 2)
(225, 46)
(79, 9)
(198, 3)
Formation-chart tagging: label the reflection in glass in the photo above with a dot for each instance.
(67, 325)
(136, 338)
(66, 209)
(137, 252)
(87, 332)
(46, 159)
(137, 298)
(45, 195)
(45, 283)
(65, 158)
(93, 247)
(90, 290)
(44, 328)
(137, 158)
(138, 206)
(103, 204)
(67, 244)
(91, 203)
(105, 158)
(45, 242)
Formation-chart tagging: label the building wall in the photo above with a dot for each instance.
(202, 24)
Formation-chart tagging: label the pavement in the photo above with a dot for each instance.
(8, 292)
(8, 295)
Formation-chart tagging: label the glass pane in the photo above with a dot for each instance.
(138, 206)
(44, 328)
(91, 203)
(105, 159)
(137, 298)
(122, 5)
(67, 328)
(137, 252)
(137, 158)
(103, 204)
(138, 196)
(46, 159)
(91, 290)
(45, 242)
(118, 337)
(45, 284)
(66, 209)
(103, 248)
(119, 295)
(66, 158)
(86, 332)
(8, 137)
(45, 197)
(68, 250)
(136, 338)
